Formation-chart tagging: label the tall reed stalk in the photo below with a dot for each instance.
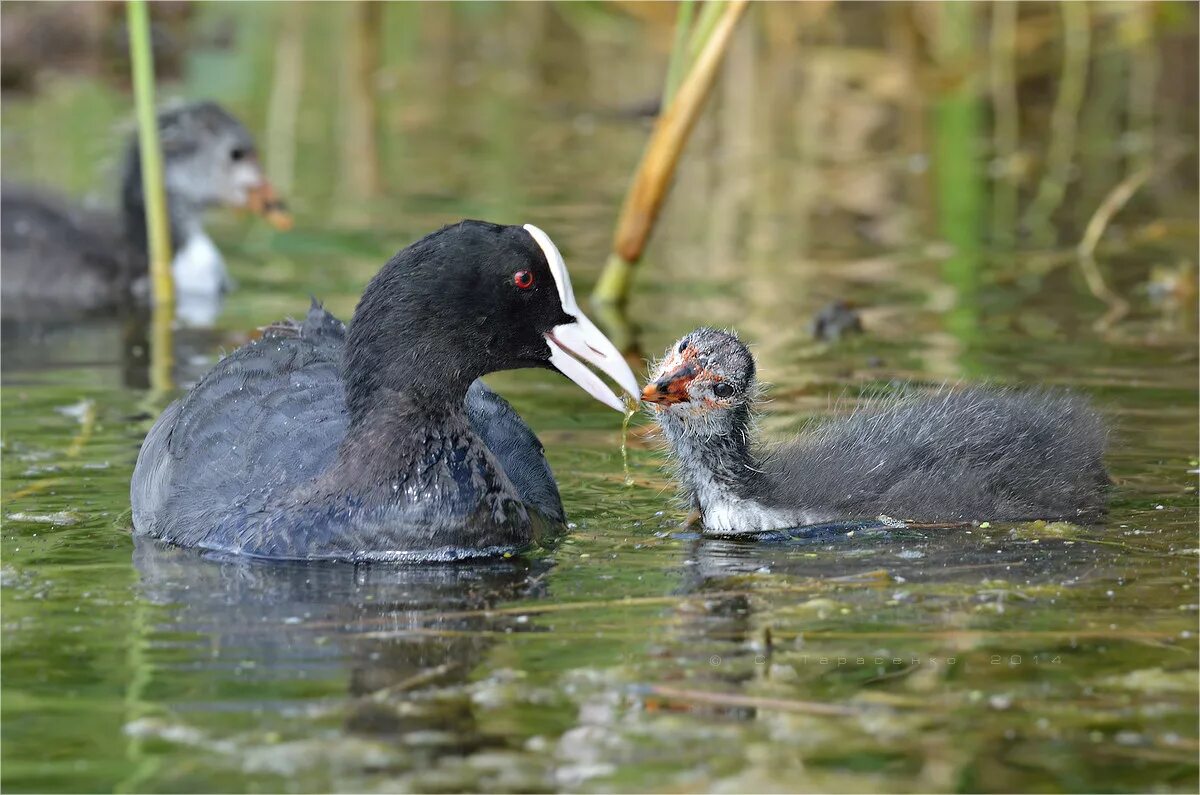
(157, 222)
(958, 125)
(697, 56)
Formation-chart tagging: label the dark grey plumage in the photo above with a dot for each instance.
(58, 259)
(319, 442)
(271, 419)
(517, 448)
(955, 455)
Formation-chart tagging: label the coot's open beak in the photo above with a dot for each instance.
(672, 388)
(575, 345)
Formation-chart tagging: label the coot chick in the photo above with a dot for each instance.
(373, 443)
(835, 320)
(952, 456)
(60, 259)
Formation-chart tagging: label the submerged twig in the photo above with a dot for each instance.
(534, 609)
(1117, 198)
(733, 700)
(419, 679)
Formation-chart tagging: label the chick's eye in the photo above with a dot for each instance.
(723, 390)
(523, 279)
(237, 153)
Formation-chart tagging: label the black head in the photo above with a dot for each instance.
(707, 378)
(470, 299)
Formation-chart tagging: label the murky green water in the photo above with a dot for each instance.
(633, 656)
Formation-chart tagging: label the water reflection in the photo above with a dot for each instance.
(908, 555)
(393, 634)
(116, 348)
(865, 605)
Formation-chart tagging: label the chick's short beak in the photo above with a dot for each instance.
(672, 388)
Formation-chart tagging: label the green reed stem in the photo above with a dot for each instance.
(158, 225)
(678, 64)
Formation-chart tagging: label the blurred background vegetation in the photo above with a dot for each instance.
(988, 128)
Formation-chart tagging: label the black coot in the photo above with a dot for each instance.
(953, 456)
(60, 259)
(376, 443)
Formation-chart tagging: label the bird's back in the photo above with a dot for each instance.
(268, 420)
(268, 415)
(59, 258)
(958, 455)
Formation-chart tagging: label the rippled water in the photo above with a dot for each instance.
(633, 655)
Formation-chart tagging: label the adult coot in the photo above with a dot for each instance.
(376, 443)
(59, 259)
(954, 456)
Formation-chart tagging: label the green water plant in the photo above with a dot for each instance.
(157, 222)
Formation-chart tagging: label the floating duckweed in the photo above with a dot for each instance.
(1043, 529)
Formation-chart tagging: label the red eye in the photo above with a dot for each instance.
(523, 279)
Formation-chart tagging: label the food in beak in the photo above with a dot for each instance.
(575, 345)
(261, 199)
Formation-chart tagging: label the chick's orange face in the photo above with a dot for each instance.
(702, 372)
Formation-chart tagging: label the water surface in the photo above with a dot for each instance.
(633, 655)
